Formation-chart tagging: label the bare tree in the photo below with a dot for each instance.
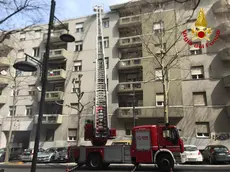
(162, 45)
(15, 86)
(28, 12)
(80, 107)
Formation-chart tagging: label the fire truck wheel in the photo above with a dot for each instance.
(165, 162)
(94, 161)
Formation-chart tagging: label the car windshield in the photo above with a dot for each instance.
(220, 149)
(49, 150)
(190, 148)
(2, 150)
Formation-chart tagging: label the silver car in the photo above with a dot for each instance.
(27, 155)
(49, 155)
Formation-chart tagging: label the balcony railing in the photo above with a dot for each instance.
(49, 119)
(150, 112)
(58, 54)
(4, 61)
(53, 96)
(129, 41)
(56, 74)
(130, 63)
(4, 80)
(224, 30)
(226, 80)
(129, 21)
(220, 6)
(3, 99)
(130, 86)
(21, 123)
(54, 35)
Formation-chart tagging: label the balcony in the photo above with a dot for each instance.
(224, 54)
(21, 123)
(3, 99)
(4, 80)
(150, 112)
(224, 31)
(56, 74)
(53, 96)
(58, 54)
(49, 119)
(129, 87)
(226, 80)
(130, 64)
(4, 61)
(129, 42)
(130, 21)
(54, 36)
(221, 6)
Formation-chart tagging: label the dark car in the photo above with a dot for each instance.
(216, 153)
(62, 155)
(15, 153)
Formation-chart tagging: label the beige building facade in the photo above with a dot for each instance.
(198, 89)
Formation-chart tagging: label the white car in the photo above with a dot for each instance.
(191, 154)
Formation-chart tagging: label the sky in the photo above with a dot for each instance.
(66, 9)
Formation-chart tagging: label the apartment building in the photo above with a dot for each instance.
(198, 91)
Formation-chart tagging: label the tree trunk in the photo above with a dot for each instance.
(8, 145)
(166, 97)
(78, 127)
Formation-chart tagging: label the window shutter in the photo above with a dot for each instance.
(202, 128)
(196, 70)
(79, 25)
(160, 97)
(72, 132)
(77, 63)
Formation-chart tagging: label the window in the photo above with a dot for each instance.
(160, 45)
(128, 129)
(32, 93)
(36, 52)
(49, 135)
(75, 105)
(72, 134)
(105, 22)
(158, 27)
(19, 73)
(16, 92)
(158, 74)
(78, 46)
(197, 72)
(196, 48)
(202, 129)
(75, 86)
(199, 99)
(12, 110)
(106, 42)
(77, 66)
(127, 132)
(37, 33)
(79, 27)
(159, 99)
(22, 36)
(107, 62)
(20, 53)
(107, 84)
(29, 110)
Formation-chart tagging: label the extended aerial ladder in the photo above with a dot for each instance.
(98, 131)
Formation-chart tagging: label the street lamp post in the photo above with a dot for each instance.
(29, 67)
(134, 100)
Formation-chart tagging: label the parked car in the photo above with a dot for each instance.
(27, 155)
(216, 153)
(50, 154)
(15, 153)
(62, 155)
(191, 154)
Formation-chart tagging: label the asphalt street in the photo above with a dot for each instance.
(116, 168)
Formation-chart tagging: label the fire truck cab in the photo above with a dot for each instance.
(151, 144)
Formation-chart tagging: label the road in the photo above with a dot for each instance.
(116, 168)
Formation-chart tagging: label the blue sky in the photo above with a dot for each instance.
(66, 9)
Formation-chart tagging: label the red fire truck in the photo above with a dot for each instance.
(151, 144)
(160, 145)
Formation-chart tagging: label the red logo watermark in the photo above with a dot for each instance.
(208, 43)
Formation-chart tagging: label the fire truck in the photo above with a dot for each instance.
(151, 144)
